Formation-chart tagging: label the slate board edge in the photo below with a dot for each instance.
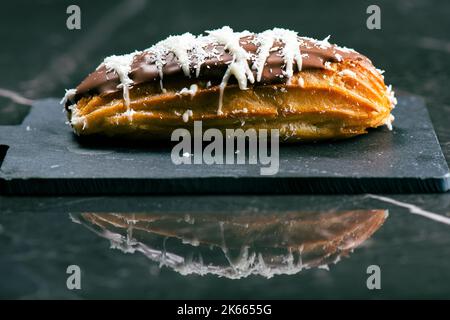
(224, 185)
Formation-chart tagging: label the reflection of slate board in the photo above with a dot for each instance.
(44, 157)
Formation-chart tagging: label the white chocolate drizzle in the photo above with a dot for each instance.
(70, 93)
(185, 47)
(266, 40)
(180, 46)
(122, 66)
(388, 122)
(188, 92)
(391, 96)
(291, 50)
(238, 67)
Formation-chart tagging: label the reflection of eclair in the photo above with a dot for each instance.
(265, 244)
(308, 89)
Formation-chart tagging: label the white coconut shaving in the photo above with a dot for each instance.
(239, 65)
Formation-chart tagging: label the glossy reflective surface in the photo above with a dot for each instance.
(204, 238)
(40, 237)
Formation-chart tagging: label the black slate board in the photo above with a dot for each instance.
(44, 157)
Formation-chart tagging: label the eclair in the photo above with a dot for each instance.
(307, 89)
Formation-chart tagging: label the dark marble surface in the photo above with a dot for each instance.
(39, 57)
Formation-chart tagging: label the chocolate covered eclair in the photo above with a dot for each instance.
(306, 88)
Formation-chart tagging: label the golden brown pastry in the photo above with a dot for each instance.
(308, 89)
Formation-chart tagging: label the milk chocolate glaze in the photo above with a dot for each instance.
(146, 68)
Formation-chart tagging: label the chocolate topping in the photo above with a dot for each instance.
(266, 58)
